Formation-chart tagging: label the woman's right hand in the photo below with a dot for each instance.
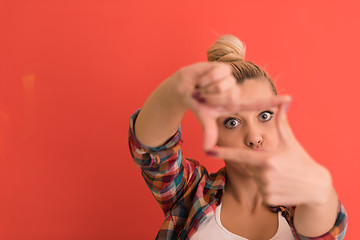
(206, 79)
(164, 109)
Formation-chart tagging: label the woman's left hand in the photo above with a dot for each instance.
(286, 176)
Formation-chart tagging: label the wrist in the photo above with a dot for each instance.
(175, 93)
(322, 190)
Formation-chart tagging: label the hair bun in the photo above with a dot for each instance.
(227, 48)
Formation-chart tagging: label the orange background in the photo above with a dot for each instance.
(73, 71)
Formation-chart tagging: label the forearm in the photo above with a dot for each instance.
(313, 220)
(161, 114)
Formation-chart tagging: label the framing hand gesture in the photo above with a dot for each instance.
(286, 175)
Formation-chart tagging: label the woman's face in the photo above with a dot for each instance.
(250, 130)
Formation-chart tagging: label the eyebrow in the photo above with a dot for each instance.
(237, 114)
(227, 114)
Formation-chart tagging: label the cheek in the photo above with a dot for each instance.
(272, 138)
(229, 137)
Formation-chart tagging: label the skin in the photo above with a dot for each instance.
(265, 163)
(243, 210)
(249, 130)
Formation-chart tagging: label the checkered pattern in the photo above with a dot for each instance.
(187, 194)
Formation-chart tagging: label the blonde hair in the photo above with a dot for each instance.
(231, 50)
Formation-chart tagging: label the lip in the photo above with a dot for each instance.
(259, 149)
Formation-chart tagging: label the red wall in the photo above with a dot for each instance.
(72, 72)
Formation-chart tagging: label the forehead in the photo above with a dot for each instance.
(255, 89)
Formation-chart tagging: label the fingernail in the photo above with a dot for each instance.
(196, 94)
(201, 100)
(211, 153)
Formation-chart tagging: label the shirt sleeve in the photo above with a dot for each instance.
(166, 173)
(337, 232)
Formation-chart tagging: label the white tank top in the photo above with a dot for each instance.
(212, 229)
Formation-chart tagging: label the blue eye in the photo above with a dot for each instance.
(231, 123)
(266, 116)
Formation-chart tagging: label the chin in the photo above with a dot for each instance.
(240, 168)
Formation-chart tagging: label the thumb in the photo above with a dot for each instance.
(210, 130)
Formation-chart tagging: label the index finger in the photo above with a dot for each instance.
(218, 72)
(257, 104)
(240, 155)
(210, 131)
(283, 126)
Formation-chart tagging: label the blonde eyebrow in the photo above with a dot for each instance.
(230, 114)
(227, 114)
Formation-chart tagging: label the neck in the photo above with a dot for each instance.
(241, 188)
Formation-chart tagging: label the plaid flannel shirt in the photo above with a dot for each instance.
(187, 194)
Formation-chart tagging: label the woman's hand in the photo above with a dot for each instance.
(200, 78)
(209, 90)
(285, 176)
(164, 109)
(288, 175)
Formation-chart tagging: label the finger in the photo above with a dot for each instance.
(188, 76)
(210, 130)
(220, 86)
(249, 157)
(259, 104)
(197, 70)
(226, 99)
(218, 72)
(207, 117)
(231, 102)
(283, 126)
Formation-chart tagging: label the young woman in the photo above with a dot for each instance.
(270, 188)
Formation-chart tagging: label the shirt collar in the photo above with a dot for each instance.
(216, 181)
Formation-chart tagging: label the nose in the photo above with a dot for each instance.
(253, 139)
(253, 143)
